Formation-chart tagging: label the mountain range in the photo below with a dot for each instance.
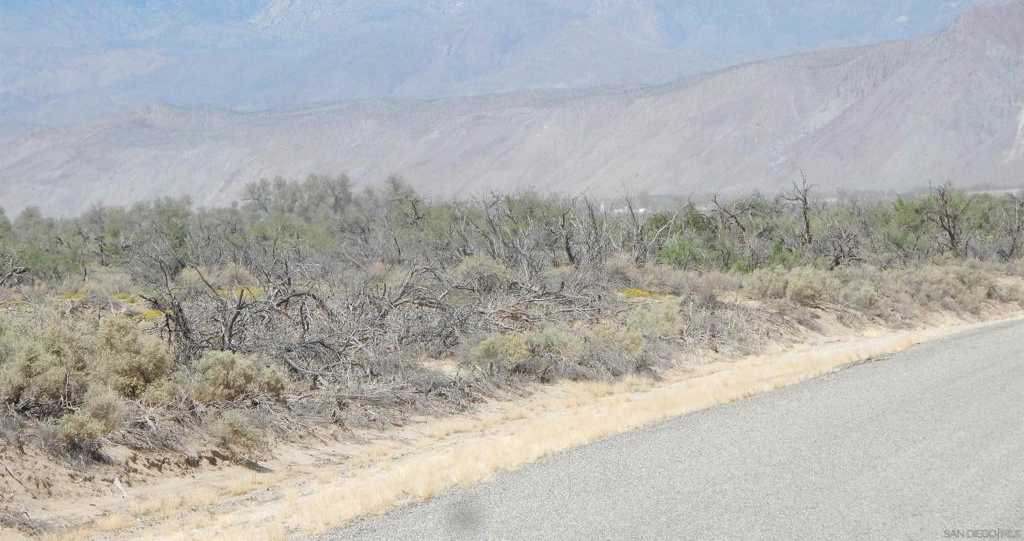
(67, 61)
(892, 116)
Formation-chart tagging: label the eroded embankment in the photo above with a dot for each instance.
(319, 487)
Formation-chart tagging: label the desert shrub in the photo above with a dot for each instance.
(552, 352)
(130, 361)
(692, 286)
(603, 350)
(723, 327)
(806, 286)
(552, 340)
(611, 335)
(1010, 292)
(682, 252)
(1015, 268)
(356, 288)
(501, 350)
(46, 369)
(6, 349)
(226, 376)
(610, 350)
(482, 274)
(861, 296)
(947, 287)
(655, 319)
(721, 282)
(237, 432)
(659, 280)
(540, 349)
(165, 392)
(766, 284)
(875, 293)
(102, 412)
(809, 286)
(620, 271)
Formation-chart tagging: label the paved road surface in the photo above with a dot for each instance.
(909, 447)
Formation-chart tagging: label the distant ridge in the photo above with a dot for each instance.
(69, 61)
(894, 116)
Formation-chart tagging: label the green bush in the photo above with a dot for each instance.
(47, 365)
(806, 286)
(557, 351)
(130, 361)
(101, 413)
(861, 296)
(655, 319)
(949, 287)
(235, 431)
(552, 340)
(809, 286)
(500, 350)
(682, 252)
(766, 284)
(609, 337)
(226, 376)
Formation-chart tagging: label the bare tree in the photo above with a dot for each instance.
(644, 241)
(1011, 222)
(11, 271)
(801, 195)
(948, 212)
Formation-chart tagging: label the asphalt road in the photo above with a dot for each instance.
(915, 446)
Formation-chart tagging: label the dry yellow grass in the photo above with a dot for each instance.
(114, 522)
(456, 452)
(586, 413)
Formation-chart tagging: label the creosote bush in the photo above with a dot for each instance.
(236, 431)
(606, 349)
(227, 376)
(131, 362)
(659, 319)
(78, 372)
(102, 411)
(808, 286)
(47, 369)
(767, 284)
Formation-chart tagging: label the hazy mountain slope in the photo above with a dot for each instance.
(951, 114)
(891, 116)
(74, 59)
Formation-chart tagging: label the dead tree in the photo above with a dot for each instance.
(842, 243)
(644, 242)
(567, 228)
(801, 196)
(1012, 225)
(948, 212)
(597, 241)
(12, 273)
